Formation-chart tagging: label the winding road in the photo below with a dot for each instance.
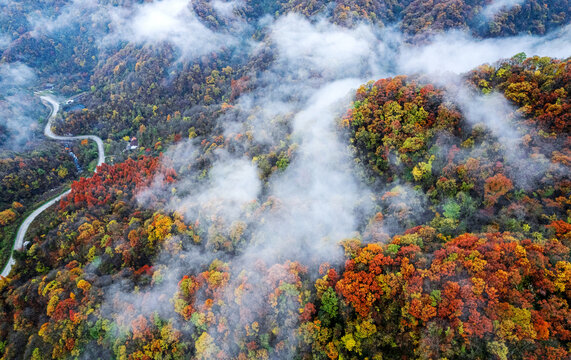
(53, 104)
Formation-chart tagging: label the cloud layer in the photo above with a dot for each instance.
(498, 6)
(171, 21)
(458, 52)
(16, 103)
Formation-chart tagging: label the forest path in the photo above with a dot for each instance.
(54, 106)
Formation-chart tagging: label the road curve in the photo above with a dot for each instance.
(54, 106)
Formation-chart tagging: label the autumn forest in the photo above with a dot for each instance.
(257, 179)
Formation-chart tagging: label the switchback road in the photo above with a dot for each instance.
(53, 104)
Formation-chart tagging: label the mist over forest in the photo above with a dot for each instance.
(385, 179)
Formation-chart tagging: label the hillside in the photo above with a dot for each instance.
(287, 180)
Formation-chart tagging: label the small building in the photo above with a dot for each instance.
(133, 144)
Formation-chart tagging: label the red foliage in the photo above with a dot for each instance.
(110, 181)
(495, 187)
(140, 328)
(144, 269)
(64, 309)
(308, 312)
(479, 286)
(360, 287)
(562, 229)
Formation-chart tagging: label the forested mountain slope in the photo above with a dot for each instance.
(483, 271)
(288, 180)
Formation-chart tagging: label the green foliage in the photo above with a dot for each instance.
(330, 303)
(452, 209)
